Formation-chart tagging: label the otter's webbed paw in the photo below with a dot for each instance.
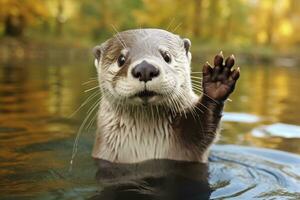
(219, 81)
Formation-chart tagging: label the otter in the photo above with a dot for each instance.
(148, 108)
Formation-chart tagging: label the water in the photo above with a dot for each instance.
(37, 136)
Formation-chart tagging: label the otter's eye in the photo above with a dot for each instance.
(121, 60)
(167, 57)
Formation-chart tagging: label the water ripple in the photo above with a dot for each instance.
(253, 173)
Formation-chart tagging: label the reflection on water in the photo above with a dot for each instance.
(35, 101)
(277, 130)
(36, 133)
(230, 175)
(153, 179)
(240, 117)
(248, 173)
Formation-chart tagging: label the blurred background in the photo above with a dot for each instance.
(246, 26)
(47, 72)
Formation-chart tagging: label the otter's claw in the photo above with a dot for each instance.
(219, 81)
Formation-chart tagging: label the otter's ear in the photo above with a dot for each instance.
(187, 44)
(97, 51)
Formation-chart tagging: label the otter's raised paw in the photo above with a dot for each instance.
(219, 81)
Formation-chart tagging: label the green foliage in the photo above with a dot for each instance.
(17, 15)
(236, 22)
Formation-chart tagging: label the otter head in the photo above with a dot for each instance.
(144, 67)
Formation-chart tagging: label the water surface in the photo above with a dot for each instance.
(37, 134)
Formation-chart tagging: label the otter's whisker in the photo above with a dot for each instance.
(180, 102)
(90, 81)
(204, 106)
(201, 91)
(170, 101)
(92, 107)
(180, 107)
(196, 108)
(196, 81)
(120, 41)
(91, 121)
(81, 128)
(171, 23)
(195, 77)
(211, 98)
(198, 88)
(174, 30)
(196, 85)
(119, 37)
(196, 72)
(176, 106)
(197, 91)
(190, 105)
(93, 88)
(176, 109)
(93, 95)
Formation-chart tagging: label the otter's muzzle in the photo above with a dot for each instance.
(144, 71)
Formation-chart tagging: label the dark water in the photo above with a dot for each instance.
(37, 136)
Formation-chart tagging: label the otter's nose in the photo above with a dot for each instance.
(145, 71)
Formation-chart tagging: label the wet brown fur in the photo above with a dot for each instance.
(198, 129)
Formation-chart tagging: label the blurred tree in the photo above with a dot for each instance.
(294, 16)
(59, 17)
(17, 15)
(202, 19)
(197, 18)
(98, 18)
(236, 22)
(163, 13)
(274, 22)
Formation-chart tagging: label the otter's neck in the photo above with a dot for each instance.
(133, 135)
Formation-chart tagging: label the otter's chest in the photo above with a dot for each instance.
(129, 140)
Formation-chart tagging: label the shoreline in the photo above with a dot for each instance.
(25, 49)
